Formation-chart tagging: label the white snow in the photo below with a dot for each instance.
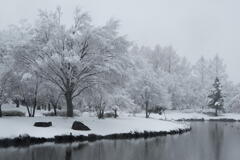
(14, 126)
(177, 115)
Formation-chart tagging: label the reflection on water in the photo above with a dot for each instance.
(216, 135)
(206, 141)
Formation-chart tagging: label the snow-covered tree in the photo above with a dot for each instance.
(99, 100)
(29, 88)
(84, 65)
(146, 85)
(51, 96)
(200, 70)
(4, 89)
(215, 96)
(234, 104)
(6, 62)
(72, 58)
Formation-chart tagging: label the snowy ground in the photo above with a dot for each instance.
(177, 115)
(14, 126)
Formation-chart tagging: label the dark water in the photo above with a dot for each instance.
(206, 141)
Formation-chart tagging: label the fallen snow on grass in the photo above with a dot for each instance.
(176, 115)
(14, 126)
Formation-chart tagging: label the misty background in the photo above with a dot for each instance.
(194, 28)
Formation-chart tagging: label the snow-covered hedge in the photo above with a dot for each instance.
(59, 113)
(13, 113)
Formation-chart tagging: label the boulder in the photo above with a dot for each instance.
(79, 126)
(43, 124)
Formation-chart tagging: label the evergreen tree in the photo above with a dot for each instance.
(216, 100)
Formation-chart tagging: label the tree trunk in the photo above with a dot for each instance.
(100, 113)
(54, 108)
(55, 104)
(55, 111)
(68, 97)
(216, 112)
(0, 110)
(35, 96)
(34, 107)
(29, 113)
(49, 107)
(146, 109)
(17, 103)
(164, 115)
(115, 113)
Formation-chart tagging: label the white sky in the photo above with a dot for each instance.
(192, 27)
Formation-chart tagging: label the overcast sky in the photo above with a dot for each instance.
(193, 27)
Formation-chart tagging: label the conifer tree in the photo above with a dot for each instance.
(216, 100)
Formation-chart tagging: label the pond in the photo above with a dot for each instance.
(206, 141)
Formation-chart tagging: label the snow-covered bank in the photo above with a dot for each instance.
(178, 116)
(14, 126)
(125, 126)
